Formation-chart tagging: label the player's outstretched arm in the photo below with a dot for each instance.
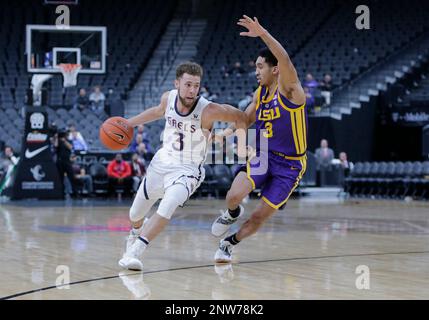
(227, 113)
(250, 113)
(289, 83)
(151, 114)
(223, 112)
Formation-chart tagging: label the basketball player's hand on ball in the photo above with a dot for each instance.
(253, 27)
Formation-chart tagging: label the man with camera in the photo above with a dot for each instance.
(64, 149)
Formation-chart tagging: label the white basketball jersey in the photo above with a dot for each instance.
(184, 141)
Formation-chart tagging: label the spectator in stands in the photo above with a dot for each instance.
(143, 153)
(82, 178)
(344, 169)
(310, 82)
(236, 70)
(345, 165)
(8, 162)
(309, 100)
(137, 140)
(138, 171)
(114, 104)
(251, 69)
(324, 156)
(140, 130)
(8, 158)
(78, 142)
(204, 92)
(81, 101)
(224, 71)
(145, 139)
(110, 93)
(119, 173)
(97, 99)
(326, 86)
(243, 103)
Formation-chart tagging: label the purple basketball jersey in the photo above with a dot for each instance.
(284, 124)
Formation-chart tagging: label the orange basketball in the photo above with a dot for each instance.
(116, 133)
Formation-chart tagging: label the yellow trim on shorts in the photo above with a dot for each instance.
(289, 157)
(249, 177)
(298, 179)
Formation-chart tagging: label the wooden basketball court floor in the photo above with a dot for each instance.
(314, 249)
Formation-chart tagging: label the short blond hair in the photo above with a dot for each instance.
(192, 68)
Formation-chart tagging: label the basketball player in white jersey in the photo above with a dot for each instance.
(176, 170)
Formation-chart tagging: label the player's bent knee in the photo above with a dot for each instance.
(175, 196)
(136, 215)
(140, 208)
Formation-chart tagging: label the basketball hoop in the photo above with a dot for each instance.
(70, 72)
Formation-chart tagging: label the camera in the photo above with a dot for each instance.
(62, 133)
(59, 132)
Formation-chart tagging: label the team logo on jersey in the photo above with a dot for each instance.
(269, 114)
(195, 116)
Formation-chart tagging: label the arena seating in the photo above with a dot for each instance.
(221, 46)
(129, 47)
(87, 122)
(419, 95)
(389, 180)
(321, 38)
(129, 44)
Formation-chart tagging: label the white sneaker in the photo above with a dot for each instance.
(134, 283)
(222, 223)
(223, 253)
(132, 258)
(133, 237)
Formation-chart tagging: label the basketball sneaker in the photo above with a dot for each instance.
(132, 257)
(223, 253)
(222, 224)
(132, 236)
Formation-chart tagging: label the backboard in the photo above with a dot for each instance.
(47, 46)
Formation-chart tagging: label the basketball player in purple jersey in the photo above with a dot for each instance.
(279, 113)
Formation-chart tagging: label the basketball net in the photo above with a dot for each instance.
(70, 72)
